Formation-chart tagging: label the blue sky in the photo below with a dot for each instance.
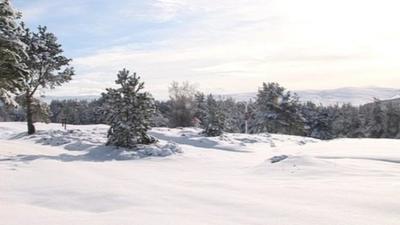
(224, 46)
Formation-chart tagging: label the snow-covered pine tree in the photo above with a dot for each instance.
(377, 116)
(392, 121)
(278, 111)
(347, 122)
(215, 118)
(128, 111)
(234, 115)
(201, 108)
(290, 119)
(320, 122)
(47, 67)
(12, 52)
(268, 107)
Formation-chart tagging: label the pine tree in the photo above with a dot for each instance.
(234, 114)
(392, 121)
(278, 111)
(47, 67)
(377, 120)
(291, 120)
(347, 122)
(201, 108)
(268, 107)
(215, 118)
(128, 111)
(12, 52)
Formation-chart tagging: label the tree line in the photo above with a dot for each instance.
(274, 110)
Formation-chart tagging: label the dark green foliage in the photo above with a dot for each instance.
(12, 52)
(76, 111)
(128, 111)
(215, 118)
(201, 108)
(277, 111)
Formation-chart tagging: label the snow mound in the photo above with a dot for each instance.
(78, 137)
(290, 164)
(234, 142)
(88, 144)
(278, 158)
(155, 150)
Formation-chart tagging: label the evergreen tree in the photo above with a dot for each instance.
(234, 114)
(201, 108)
(322, 124)
(376, 124)
(47, 67)
(128, 111)
(278, 111)
(12, 52)
(347, 122)
(268, 107)
(392, 121)
(215, 118)
(309, 111)
(292, 122)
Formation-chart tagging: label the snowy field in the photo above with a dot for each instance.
(68, 177)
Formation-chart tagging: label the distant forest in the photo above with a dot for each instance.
(275, 110)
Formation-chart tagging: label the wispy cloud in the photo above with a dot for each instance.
(233, 46)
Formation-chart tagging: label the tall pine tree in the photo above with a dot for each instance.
(47, 67)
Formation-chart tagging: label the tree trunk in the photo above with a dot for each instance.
(29, 115)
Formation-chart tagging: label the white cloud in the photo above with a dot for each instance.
(233, 46)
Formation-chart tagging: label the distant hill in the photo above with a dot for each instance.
(355, 96)
(48, 99)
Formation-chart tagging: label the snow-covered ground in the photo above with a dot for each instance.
(69, 177)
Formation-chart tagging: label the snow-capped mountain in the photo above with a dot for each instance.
(353, 95)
